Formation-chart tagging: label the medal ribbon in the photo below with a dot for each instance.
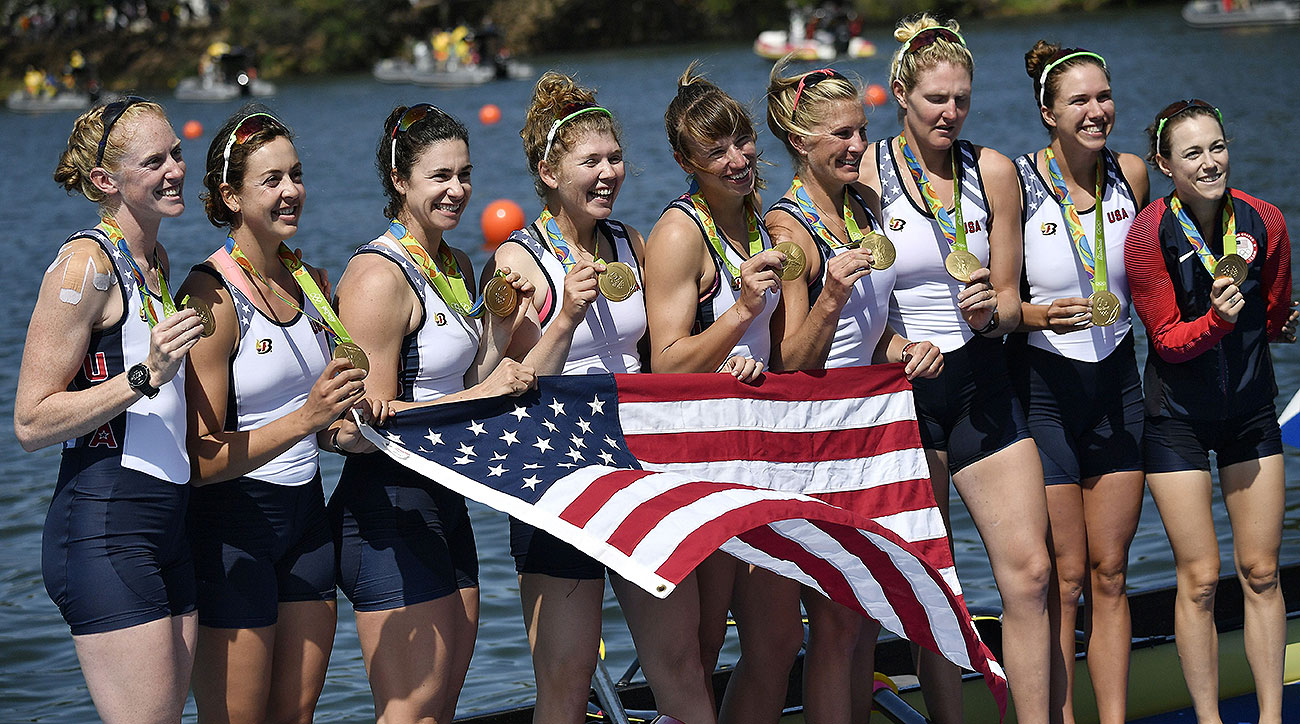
(449, 285)
(955, 233)
(115, 235)
(310, 289)
(1096, 267)
(705, 217)
(814, 219)
(1194, 236)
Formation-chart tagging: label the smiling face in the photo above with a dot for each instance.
(1083, 111)
(1198, 157)
(834, 151)
(435, 195)
(585, 181)
(724, 165)
(270, 199)
(936, 107)
(150, 177)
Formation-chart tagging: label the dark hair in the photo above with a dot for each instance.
(437, 125)
(1158, 138)
(702, 112)
(1044, 53)
(215, 206)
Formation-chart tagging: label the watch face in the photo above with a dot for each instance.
(138, 376)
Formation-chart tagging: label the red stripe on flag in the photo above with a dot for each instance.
(776, 447)
(901, 496)
(836, 384)
(643, 519)
(593, 498)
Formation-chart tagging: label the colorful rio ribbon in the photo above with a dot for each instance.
(1194, 236)
(954, 232)
(109, 226)
(814, 218)
(1093, 257)
(449, 285)
(329, 319)
(705, 217)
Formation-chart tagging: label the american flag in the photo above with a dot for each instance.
(649, 474)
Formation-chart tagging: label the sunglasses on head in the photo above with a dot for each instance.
(1177, 107)
(810, 79)
(112, 112)
(412, 116)
(248, 126)
(569, 112)
(930, 36)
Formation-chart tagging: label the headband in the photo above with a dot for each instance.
(550, 135)
(1077, 53)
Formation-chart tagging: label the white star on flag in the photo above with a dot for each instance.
(509, 437)
(466, 450)
(543, 445)
(520, 413)
(496, 471)
(532, 481)
(477, 428)
(557, 407)
(597, 406)
(434, 438)
(586, 426)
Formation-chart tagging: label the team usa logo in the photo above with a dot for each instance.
(263, 346)
(1247, 247)
(973, 227)
(1047, 229)
(440, 319)
(1116, 215)
(316, 327)
(896, 224)
(95, 367)
(103, 437)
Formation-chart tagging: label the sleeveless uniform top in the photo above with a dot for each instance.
(1052, 269)
(150, 435)
(756, 342)
(924, 303)
(1198, 366)
(607, 338)
(272, 371)
(865, 314)
(436, 355)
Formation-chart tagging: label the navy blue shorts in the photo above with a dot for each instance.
(402, 539)
(537, 551)
(1086, 417)
(114, 553)
(257, 545)
(970, 410)
(1173, 445)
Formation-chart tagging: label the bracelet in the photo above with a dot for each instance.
(992, 325)
(334, 441)
(902, 355)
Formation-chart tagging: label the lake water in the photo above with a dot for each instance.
(1154, 60)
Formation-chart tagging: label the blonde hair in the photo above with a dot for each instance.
(784, 118)
(702, 112)
(554, 97)
(906, 67)
(78, 159)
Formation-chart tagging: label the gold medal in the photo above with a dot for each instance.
(617, 282)
(881, 248)
(794, 260)
(353, 353)
(499, 297)
(961, 264)
(1105, 308)
(1231, 266)
(202, 309)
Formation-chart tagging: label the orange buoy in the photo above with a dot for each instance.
(489, 114)
(192, 129)
(499, 219)
(876, 94)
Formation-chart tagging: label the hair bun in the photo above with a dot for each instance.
(1038, 57)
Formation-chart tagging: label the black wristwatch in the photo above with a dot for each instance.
(138, 378)
(992, 325)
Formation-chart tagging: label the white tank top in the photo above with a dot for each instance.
(924, 304)
(271, 373)
(151, 433)
(756, 341)
(607, 338)
(865, 314)
(436, 355)
(1052, 266)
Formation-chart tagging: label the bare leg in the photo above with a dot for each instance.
(766, 607)
(840, 661)
(940, 678)
(152, 687)
(1255, 495)
(1004, 494)
(665, 634)
(1112, 505)
(304, 637)
(715, 579)
(1070, 568)
(1184, 502)
(562, 617)
(232, 674)
(416, 656)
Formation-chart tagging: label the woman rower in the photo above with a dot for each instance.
(103, 370)
(834, 313)
(953, 212)
(262, 395)
(407, 559)
(1076, 368)
(590, 318)
(1210, 272)
(711, 286)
